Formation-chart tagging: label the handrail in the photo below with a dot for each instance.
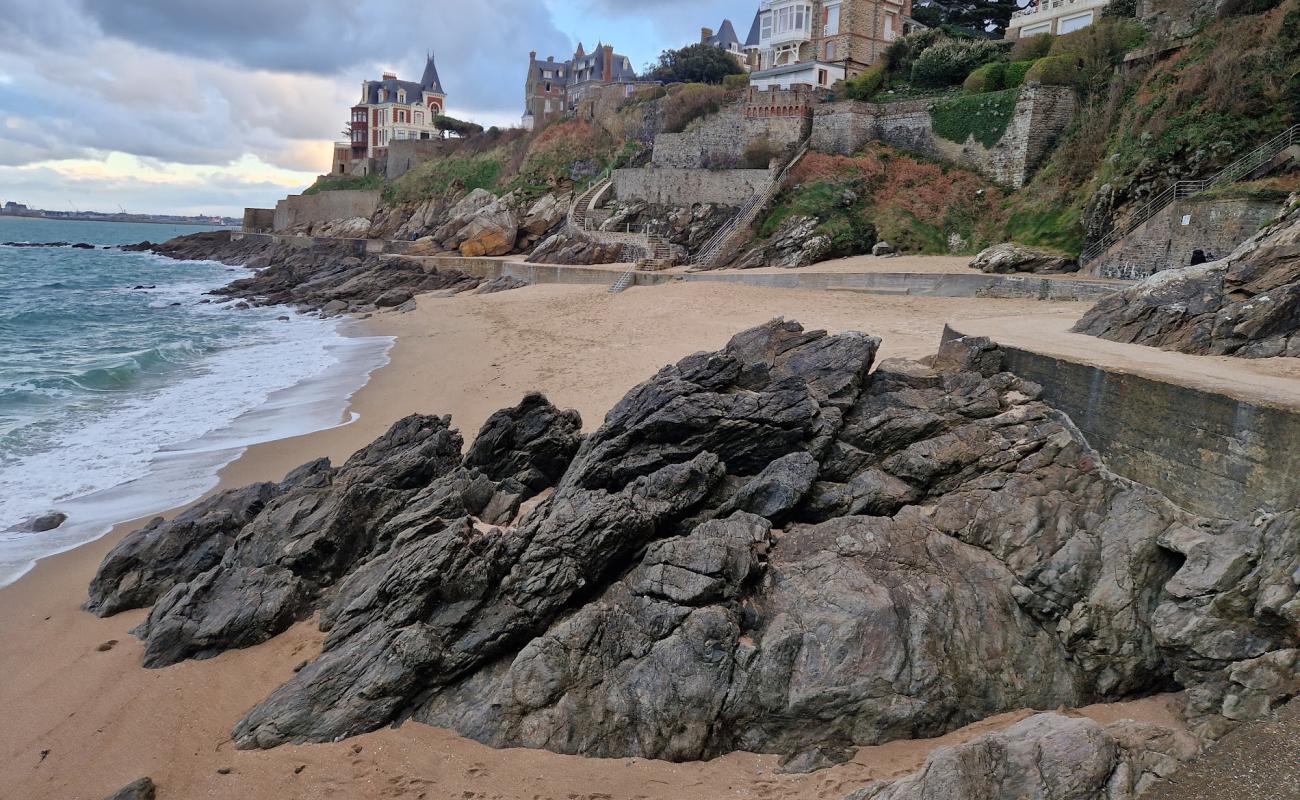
(748, 210)
(1230, 174)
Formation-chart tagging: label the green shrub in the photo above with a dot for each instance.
(691, 102)
(1015, 74)
(448, 174)
(983, 116)
(902, 52)
(735, 83)
(1033, 47)
(866, 85)
(988, 78)
(1120, 9)
(1241, 8)
(1054, 71)
(949, 62)
(335, 183)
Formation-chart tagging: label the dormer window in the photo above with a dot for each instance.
(401, 96)
(382, 94)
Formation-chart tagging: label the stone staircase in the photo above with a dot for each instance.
(718, 250)
(1134, 263)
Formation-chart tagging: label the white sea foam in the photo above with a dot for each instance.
(282, 378)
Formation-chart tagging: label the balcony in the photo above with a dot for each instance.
(1045, 10)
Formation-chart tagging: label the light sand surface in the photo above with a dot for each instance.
(1263, 381)
(78, 722)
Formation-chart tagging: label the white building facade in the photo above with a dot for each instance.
(1055, 17)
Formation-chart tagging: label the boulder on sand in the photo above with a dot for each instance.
(142, 789)
(1010, 257)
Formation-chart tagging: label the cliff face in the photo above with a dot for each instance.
(1246, 305)
(769, 548)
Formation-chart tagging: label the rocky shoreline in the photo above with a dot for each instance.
(328, 278)
(770, 548)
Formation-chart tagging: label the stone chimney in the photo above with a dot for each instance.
(532, 55)
(705, 35)
(609, 64)
(390, 76)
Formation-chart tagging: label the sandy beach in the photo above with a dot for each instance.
(82, 718)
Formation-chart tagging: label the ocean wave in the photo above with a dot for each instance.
(118, 446)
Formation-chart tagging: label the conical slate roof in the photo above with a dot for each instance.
(752, 39)
(431, 82)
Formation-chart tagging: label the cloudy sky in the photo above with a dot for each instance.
(206, 106)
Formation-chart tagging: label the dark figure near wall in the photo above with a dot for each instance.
(1198, 257)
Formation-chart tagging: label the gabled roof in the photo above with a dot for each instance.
(752, 39)
(725, 37)
(414, 92)
(431, 82)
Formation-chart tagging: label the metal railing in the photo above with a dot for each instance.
(1235, 171)
(752, 207)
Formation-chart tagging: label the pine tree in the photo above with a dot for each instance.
(988, 16)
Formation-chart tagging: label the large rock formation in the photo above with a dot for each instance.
(1246, 305)
(769, 548)
(796, 243)
(328, 277)
(574, 247)
(1046, 756)
(1011, 257)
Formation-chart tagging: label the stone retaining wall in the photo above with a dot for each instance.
(259, 220)
(405, 155)
(719, 141)
(684, 187)
(1216, 225)
(1211, 454)
(1041, 114)
(304, 209)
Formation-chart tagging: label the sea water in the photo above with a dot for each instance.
(123, 393)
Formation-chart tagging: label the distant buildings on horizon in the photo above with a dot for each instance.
(15, 209)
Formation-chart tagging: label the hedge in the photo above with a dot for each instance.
(983, 116)
(988, 78)
(1054, 71)
(1015, 74)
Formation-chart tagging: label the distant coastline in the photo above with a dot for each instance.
(148, 219)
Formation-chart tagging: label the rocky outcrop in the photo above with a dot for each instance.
(575, 248)
(481, 224)
(1246, 305)
(772, 548)
(1047, 756)
(796, 243)
(142, 789)
(326, 277)
(1010, 257)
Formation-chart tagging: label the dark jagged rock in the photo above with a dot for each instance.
(142, 789)
(145, 565)
(298, 545)
(1246, 305)
(328, 277)
(768, 548)
(572, 247)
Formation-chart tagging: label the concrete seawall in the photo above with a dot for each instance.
(911, 283)
(1210, 453)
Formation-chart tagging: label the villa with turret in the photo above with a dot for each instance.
(390, 110)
